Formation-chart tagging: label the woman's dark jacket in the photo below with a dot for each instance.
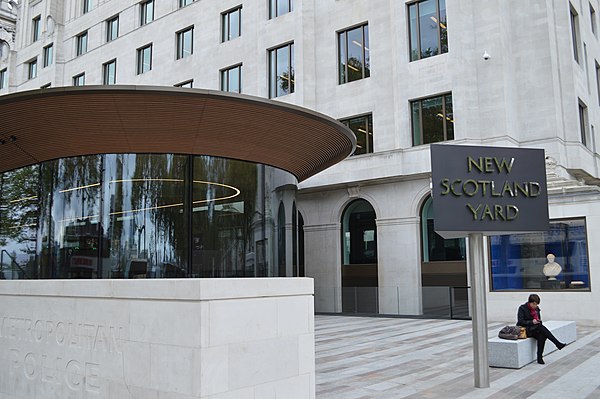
(525, 319)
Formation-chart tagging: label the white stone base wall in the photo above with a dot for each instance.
(157, 339)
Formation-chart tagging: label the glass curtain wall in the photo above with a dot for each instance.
(140, 216)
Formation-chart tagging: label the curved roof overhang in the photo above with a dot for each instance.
(45, 124)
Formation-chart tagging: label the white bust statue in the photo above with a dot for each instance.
(551, 269)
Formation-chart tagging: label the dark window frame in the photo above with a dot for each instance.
(48, 55)
(445, 118)
(574, 18)
(106, 72)
(185, 84)
(225, 82)
(226, 23)
(112, 28)
(144, 17)
(36, 28)
(273, 77)
(140, 69)
(369, 142)
(183, 3)
(593, 20)
(343, 52)
(86, 6)
(442, 28)
(81, 43)
(274, 8)
(179, 36)
(32, 71)
(75, 79)
(583, 121)
(3, 78)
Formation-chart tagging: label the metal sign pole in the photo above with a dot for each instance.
(479, 311)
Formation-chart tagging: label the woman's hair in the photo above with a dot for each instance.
(534, 298)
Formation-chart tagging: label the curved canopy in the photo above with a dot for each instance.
(45, 124)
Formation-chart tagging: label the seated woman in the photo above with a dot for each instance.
(529, 316)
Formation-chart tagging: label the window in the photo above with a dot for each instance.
(79, 80)
(231, 79)
(428, 28)
(109, 72)
(146, 12)
(575, 33)
(353, 54)
(185, 42)
(598, 80)
(81, 41)
(583, 121)
(188, 83)
(112, 28)
(362, 126)
(231, 24)
(434, 247)
(47, 85)
(432, 120)
(48, 55)
(593, 20)
(518, 261)
(87, 6)
(281, 71)
(32, 69)
(3, 78)
(144, 59)
(36, 28)
(183, 3)
(280, 7)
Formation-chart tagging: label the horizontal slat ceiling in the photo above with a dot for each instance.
(66, 122)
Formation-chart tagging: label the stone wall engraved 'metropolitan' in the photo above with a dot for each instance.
(208, 338)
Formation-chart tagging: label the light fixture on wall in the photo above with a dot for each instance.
(486, 56)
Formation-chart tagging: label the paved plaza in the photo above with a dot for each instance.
(391, 358)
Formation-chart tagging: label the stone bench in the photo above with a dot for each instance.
(516, 354)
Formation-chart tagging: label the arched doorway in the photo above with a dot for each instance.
(443, 270)
(359, 258)
(281, 244)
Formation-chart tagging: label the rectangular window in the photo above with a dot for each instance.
(87, 6)
(188, 83)
(362, 126)
(79, 80)
(146, 12)
(432, 120)
(353, 54)
(428, 28)
(112, 28)
(522, 261)
(48, 50)
(281, 71)
(583, 122)
(575, 33)
(36, 28)
(109, 72)
(231, 79)
(81, 42)
(231, 24)
(598, 80)
(32, 69)
(3, 78)
(144, 59)
(280, 7)
(183, 3)
(185, 42)
(593, 20)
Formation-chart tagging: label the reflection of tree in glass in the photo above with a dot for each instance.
(355, 69)
(19, 207)
(286, 81)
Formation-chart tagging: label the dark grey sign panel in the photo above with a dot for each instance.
(489, 190)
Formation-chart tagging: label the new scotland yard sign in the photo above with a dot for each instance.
(488, 190)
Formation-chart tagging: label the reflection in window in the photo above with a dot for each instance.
(359, 234)
(47, 55)
(3, 78)
(435, 248)
(144, 59)
(140, 216)
(79, 80)
(231, 24)
(112, 28)
(36, 28)
(362, 126)
(428, 28)
(280, 7)
(593, 20)
(231, 79)
(109, 72)
(81, 43)
(432, 120)
(575, 32)
(183, 3)
(146, 12)
(583, 122)
(353, 46)
(87, 6)
(517, 260)
(32, 69)
(281, 71)
(185, 42)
